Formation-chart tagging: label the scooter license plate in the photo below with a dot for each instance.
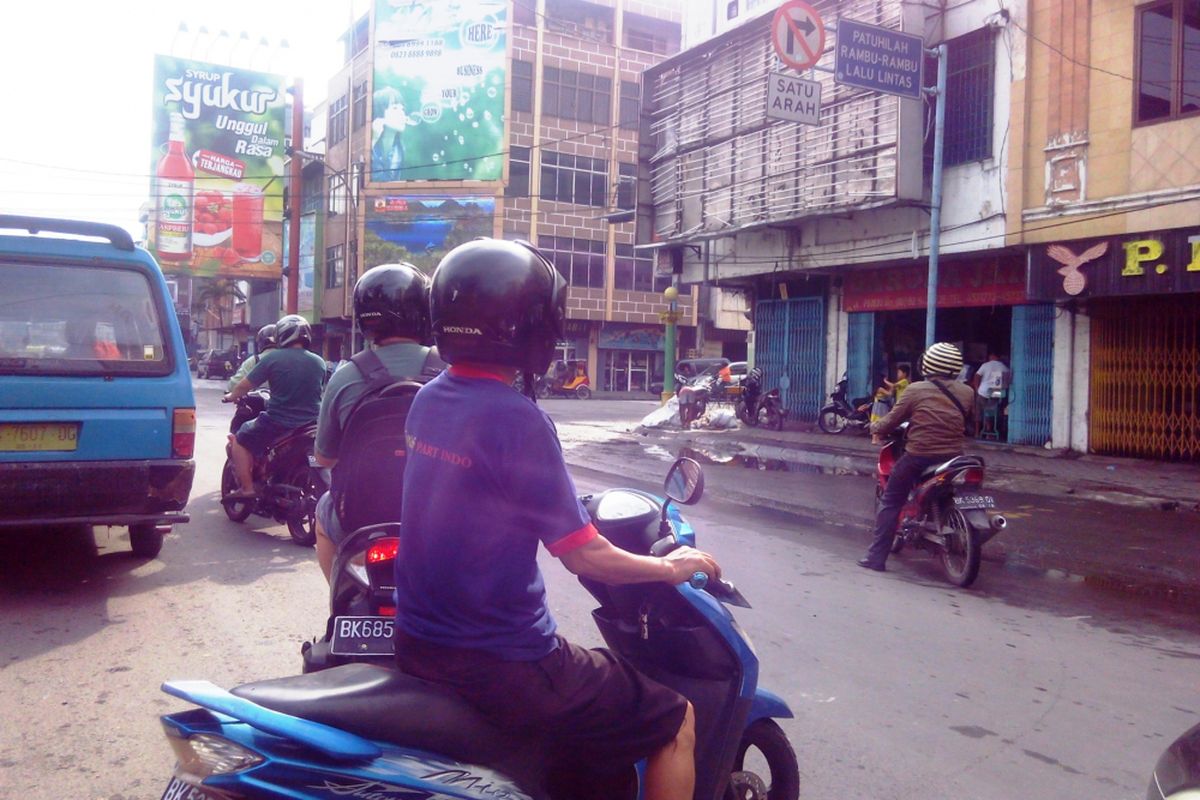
(362, 636)
(968, 502)
(182, 790)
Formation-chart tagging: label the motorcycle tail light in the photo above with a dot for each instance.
(183, 433)
(972, 476)
(203, 754)
(383, 550)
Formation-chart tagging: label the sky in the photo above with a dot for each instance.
(76, 79)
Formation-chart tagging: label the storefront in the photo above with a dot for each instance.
(983, 308)
(631, 356)
(1141, 295)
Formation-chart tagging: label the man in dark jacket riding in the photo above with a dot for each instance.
(938, 411)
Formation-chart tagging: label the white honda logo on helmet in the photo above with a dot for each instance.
(461, 329)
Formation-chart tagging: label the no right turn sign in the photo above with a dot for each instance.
(798, 34)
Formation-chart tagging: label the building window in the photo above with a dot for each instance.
(580, 261)
(970, 88)
(522, 85)
(1168, 61)
(337, 195)
(575, 95)
(575, 179)
(525, 13)
(311, 202)
(731, 9)
(518, 172)
(631, 100)
(627, 186)
(633, 272)
(335, 266)
(580, 19)
(337, 121)
(651, 35)
(359, 116)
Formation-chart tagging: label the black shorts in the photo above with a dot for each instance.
(595, 708)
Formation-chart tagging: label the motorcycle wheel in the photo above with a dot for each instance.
(831, 421)
(774, 417)
(583, 392)
(542, 391)
(236, 510)
(744, 414)
(960, 556)
(765, 767)
(303, 528)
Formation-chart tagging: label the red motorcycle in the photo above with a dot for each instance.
(946, 514)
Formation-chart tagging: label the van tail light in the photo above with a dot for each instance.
(183, 433)
(972, 476)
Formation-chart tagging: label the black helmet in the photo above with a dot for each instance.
(393, 300)
(498, 302)
(291, 329)
(265, 339)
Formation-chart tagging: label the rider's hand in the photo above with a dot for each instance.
(687, 561)
(228, 398)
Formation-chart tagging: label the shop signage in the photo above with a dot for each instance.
(798, 34)
(988, 282)
(1147, 263)
(630, 338)
(878, 59)
(793, 99)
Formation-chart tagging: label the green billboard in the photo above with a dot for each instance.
(438, 101)
(216, 169)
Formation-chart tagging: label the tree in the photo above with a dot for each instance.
(213, 298)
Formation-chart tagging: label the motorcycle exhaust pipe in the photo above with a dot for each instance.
(998, 522)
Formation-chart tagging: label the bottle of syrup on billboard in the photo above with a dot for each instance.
(174, 183)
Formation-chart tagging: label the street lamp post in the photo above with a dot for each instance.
(670, 317)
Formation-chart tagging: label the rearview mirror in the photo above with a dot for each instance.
(685, 481)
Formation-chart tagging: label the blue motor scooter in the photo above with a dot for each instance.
(366, 731)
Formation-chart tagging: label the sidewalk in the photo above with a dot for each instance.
(1030, 470)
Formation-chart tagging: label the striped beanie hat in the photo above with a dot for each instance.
(942, 358)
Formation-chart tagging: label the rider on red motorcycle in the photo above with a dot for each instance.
(938, 410)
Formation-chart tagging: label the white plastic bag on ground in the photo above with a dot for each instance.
(718, 418)
(665, 416)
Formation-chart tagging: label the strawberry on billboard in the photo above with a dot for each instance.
(217, 170)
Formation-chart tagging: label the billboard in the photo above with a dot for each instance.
(438, 102)
(422, 229)
(216, 170)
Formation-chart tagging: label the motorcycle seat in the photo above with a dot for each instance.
(308, 431)
(953, 465)
(390, 706)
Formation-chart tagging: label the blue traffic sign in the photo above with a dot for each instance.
(878, 59)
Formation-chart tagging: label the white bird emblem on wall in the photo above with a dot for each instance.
(1074, 281)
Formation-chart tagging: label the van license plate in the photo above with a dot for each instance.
(362, 636)
(24, 437)
(182, 790)
(968, 502)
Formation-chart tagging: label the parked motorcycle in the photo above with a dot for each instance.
(287, 480)
(757, 408)
(947, 513)
(362, 730)
(842, 414)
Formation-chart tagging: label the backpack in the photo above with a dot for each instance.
(368, 479)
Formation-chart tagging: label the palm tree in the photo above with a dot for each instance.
(214, 297)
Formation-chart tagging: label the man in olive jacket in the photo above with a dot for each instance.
(936, 428)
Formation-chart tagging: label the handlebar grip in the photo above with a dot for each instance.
(698, 580)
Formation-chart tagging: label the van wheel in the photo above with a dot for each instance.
(146, 539)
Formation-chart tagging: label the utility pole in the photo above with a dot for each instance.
(295, 196)
(935, 217)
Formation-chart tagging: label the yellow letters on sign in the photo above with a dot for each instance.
(1194, 264)
(1138, 252)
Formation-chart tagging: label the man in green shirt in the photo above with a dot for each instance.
(296, 378)
(264, 340)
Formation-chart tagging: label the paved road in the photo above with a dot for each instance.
(1028, 686)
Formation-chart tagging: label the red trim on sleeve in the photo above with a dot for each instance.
(573, 541)
(463, 371)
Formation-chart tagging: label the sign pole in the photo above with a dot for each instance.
(935, 220)
(294, 198)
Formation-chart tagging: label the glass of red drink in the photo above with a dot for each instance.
(247, 220)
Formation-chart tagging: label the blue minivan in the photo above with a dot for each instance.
(97, 417)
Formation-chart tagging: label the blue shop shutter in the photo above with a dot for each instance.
(1030, 406)
(859, 353)
(790, 349)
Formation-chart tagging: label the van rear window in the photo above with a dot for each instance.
(79, 320)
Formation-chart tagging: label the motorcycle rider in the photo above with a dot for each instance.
(296, 377)
(391, 303)
(939, 411)
(485, 484)
(264, 340)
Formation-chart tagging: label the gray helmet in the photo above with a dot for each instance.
(942, 358)
(291, 329)
(264, 340)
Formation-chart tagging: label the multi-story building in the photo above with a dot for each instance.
(826, 226)
(1106, 120)
(556, 164)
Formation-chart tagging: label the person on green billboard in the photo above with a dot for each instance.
(387, 132)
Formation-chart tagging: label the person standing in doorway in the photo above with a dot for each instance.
(990, 381)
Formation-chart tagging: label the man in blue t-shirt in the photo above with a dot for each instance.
(485, 484)
(296, 377)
